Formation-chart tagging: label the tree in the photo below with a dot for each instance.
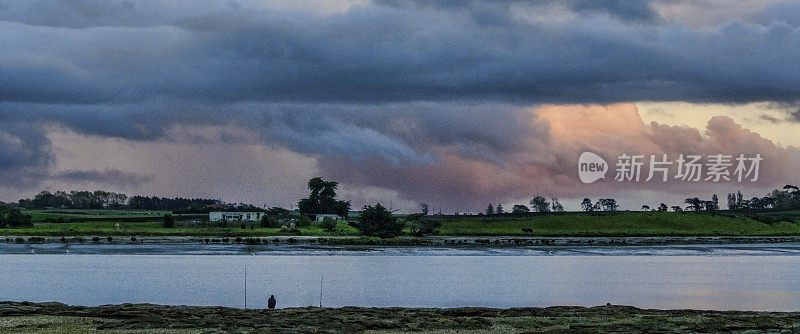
(740, 202)
(586, 205)
(424, 207)
(518, 208)
(169, 221)
(677, 208)
(323, 199)
(557, 207)
(732, 202)
(328, 224)
(419, 225)
(378, 221)
(662, 207)
(540, 204)
(490, 209)
(645, 207)
(500, 209)
(714, 202)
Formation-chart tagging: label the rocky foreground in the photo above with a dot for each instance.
(145, 318)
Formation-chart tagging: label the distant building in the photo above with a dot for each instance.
(215, 216)
(320, 216)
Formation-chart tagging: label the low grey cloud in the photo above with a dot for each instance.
(25, 155)
(112, 177)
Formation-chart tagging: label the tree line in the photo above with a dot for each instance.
(538, 204)
(110, 200)
(787, 198)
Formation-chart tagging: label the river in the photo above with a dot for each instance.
(738, 277)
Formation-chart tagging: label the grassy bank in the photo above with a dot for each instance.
(59, 318)
(140, 223)
(624, 224)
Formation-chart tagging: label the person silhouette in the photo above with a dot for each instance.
(271, 302)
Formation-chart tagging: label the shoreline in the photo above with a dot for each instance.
(144, 318)
(447, 241)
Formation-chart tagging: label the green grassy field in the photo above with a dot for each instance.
(621, 224)
(154, 228)
(72, 214)
(112, 223)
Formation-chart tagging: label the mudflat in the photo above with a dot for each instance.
(147, 318)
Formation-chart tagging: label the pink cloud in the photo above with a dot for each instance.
(547, 165)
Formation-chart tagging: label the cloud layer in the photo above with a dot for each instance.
(407, 96)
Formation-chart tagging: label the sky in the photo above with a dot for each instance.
(457, 104)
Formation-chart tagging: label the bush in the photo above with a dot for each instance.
(269, 222)
(378, 221)
(328, 224)
(291, 228)
(110, 239)
(96, 239)
(13, 218)
(421, 226)
(303, 221)
(169, 221)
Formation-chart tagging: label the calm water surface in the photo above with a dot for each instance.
(742, 277)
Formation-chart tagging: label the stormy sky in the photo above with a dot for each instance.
(452, 103)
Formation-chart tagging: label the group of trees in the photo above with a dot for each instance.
(603, 204)
(75, 200)
(538, 204)
(787, 198)
(172, 204)
(11, 217)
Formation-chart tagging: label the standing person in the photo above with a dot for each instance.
(271, 302)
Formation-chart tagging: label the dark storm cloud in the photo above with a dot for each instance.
(383, 53)
(109, 176)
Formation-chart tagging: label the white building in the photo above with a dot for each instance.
(216, 216)
(320, 216)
